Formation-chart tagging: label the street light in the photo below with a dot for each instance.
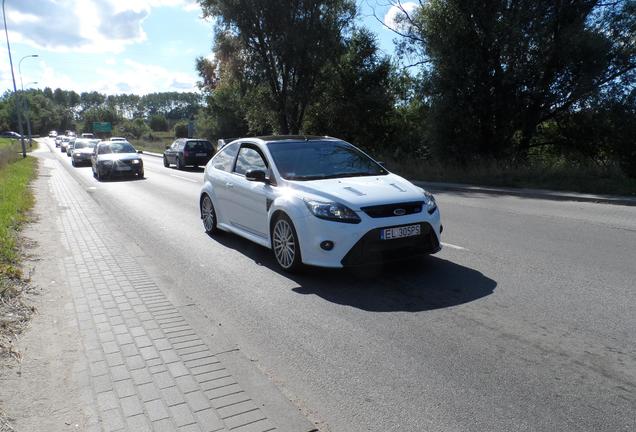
(15, 90)
(26, 112)
(24, 101)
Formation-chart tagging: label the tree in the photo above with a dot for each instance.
(355, 101)
(500, 69)
(284, 45)
(158, 122)
(135, 128)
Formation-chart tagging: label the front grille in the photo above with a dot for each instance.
(371, 249)
(392, 210)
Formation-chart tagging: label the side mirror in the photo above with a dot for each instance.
(256, 176)
(140, 151)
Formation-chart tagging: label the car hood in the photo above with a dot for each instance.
(83, 150)
(356, 192)
(118, 156)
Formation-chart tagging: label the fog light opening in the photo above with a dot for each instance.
(327, 245)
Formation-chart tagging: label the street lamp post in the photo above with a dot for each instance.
(26, 113)
(24, 102)
(15, 90)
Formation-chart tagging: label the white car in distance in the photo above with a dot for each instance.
(318, 201)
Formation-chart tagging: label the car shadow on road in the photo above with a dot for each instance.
(418, 284)
(198, 169)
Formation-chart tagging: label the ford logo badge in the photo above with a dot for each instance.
(399, 212)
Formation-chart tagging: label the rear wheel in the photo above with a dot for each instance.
(285, 244)
(208, 215)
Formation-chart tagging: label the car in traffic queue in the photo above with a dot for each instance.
(69, 147)
(188, 152)
(82, 151)
(87, 135)
(64, 143)
(52, 134)
(10, 134)
(117, 139)
(318, 201)
(116, 158)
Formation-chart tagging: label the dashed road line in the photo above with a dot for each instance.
(452, 246)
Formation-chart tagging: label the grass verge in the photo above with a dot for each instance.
(16, 199)
(155, 142)
(559, 176)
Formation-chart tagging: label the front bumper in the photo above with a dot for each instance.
(81, 158)
(121, 168)
(360, 244)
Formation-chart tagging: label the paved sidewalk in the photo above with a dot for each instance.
(147, 367)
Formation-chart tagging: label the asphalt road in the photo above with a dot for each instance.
(526, 321)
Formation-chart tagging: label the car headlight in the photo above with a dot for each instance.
(429, 201)
(332, 211)
(136, 161)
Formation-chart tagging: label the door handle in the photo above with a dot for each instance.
(229, 185)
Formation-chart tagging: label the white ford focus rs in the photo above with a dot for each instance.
(318, 201)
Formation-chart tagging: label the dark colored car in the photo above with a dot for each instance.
(113, 158)
(188, 151)
(10, 134)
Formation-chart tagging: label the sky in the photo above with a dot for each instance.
(124, 46)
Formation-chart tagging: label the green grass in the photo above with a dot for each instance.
(16, 199)
(155, 142)
(556, 176)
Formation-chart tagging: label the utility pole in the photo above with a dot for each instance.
(15, 90)
(22, 96)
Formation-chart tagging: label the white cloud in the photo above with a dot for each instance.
(83, 25)
(134, 77)
(395, 17)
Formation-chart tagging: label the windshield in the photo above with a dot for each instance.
(315, 160)
(84, 144)
(116, 147)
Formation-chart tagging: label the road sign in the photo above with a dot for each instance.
(102, 127)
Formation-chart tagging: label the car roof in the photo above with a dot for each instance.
(282, 138)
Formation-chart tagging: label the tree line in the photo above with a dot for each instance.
(131, 114)
(515, 81)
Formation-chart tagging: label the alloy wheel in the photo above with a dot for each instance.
(208, 215)
(284, 244)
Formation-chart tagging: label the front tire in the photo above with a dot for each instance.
(285, 244)
(165, 162)
(179, 164)
(208, 215)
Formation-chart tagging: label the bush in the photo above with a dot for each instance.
(181, 130)
(132, 128)
(158, 123)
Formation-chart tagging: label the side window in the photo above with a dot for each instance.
(249, 159)
(225, 158)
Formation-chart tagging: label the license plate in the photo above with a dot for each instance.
(201, 154)
(400, 232)
(123, 168)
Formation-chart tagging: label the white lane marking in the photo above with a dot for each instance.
(452, 246)
(184, 178)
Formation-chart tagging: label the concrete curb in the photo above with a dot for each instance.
(529, 193)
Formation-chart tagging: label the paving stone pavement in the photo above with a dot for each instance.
(147, 367)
